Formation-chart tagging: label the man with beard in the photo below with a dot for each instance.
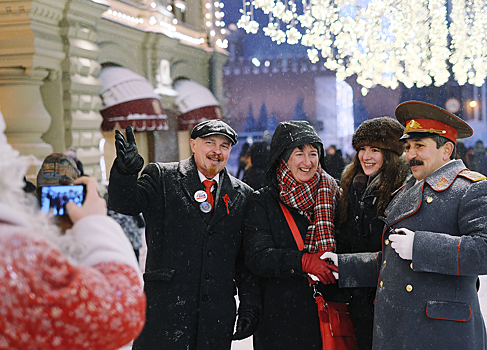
(194, 212)
(434, 243)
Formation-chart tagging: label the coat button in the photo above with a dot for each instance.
(411, 265)
(381, 283)
(429, 199)
(409, 288)
(209, 253)
(292, 270)
(386, 242)
(384, 262)
(205, 297)
(356, 218)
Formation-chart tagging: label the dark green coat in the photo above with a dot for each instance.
(192, 257)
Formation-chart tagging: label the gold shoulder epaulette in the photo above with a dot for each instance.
(472, 175)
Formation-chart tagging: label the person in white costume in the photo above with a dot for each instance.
(80, 290)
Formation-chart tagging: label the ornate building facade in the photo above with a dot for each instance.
(52, 53)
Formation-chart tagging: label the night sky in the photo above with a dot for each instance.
(259, 45)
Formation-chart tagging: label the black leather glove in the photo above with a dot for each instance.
(128, 160)
(246, 323)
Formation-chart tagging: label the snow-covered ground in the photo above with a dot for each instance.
(483, 297)
(246, 344)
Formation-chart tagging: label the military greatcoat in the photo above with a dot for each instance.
(430, 302)
(192, 257)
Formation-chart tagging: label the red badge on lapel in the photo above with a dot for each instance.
(226, 199)
(441, 184)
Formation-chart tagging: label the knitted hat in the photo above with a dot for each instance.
(383, 132)
(56, 168)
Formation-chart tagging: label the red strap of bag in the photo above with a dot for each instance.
(293, 227)
(336, 325)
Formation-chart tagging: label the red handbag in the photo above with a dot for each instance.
(336, 325)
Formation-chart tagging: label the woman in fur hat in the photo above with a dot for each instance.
(376, 171)
(298, 186)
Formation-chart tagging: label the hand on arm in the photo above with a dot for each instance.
(333, 257)
(314, 265)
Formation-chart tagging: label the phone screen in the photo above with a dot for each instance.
(54, 198)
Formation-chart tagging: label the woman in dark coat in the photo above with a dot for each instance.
(297, 180)
(367, 183)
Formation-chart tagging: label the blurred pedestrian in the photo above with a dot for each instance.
(81, 290)
(254, 176)
(130, 225)
(478, 158)
(461, 152)
(243, 160)
(334, 163)
(376, 171)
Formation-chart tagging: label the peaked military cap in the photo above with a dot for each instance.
(422, 120)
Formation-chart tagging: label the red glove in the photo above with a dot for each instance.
(320, 268)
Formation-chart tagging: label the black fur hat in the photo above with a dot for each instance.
(383, 132)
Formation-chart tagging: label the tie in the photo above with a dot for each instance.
(208, 184)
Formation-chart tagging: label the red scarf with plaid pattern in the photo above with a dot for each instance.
(316, 200)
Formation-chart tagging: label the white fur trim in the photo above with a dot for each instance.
(98, 239)
(13, 216)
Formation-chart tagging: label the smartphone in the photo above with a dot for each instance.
(53, 199)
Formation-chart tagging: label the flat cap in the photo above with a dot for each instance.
(57, 168)
(214, 127)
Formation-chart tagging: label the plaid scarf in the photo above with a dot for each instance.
(316, 200)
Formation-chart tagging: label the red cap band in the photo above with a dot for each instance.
(433, 127)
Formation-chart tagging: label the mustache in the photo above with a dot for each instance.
(215, 156)
(414, 162)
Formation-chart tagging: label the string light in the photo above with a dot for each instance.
(384, 42)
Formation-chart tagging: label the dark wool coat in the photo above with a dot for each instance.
(430, 302)
(289, 318)
(362, 232)
(192, 256)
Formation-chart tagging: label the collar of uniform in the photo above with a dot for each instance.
(203, 178)
(444, 176)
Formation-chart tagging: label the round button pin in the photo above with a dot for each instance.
(205, 207)
(200, 196)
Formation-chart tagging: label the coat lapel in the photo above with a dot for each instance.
(229, 194)
(408, 199)
(190, 183)
(405, 202)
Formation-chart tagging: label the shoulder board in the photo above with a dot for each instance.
(472, 175)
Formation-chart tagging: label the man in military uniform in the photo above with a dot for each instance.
(194, 213)
(431, 257)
